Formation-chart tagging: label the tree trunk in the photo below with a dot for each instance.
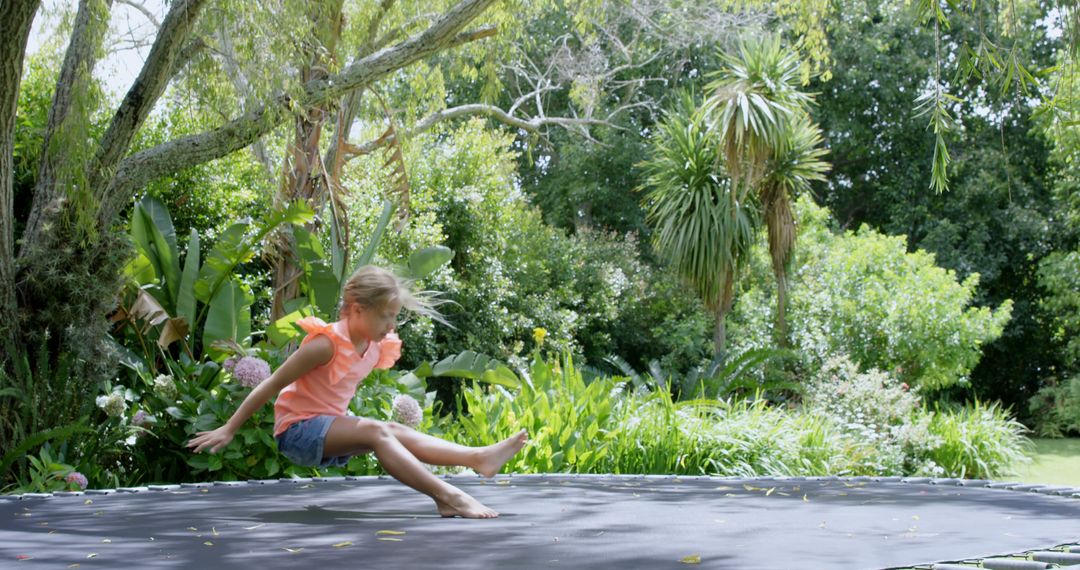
(56, 173)
(722, 309)
(781, 308)
(305, 174)
(18, 18)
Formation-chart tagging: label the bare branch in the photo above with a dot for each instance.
(141, 8)
(534, 125)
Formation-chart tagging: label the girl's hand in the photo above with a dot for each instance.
(214, 440)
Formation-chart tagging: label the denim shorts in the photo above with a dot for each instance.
(303, 441)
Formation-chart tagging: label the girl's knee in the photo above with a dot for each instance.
(372, 430)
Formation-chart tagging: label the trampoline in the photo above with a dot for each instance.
(550, 521)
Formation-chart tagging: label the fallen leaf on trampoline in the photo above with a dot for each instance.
(208, 543)
(191, 528)
(390, 539)
(254, 527)
(292, 550)
(106, 541)
(724, 488)
(88, 502)
(770, 491)
(805, 500)
(343, 544)
(394, 532)
(92, 555)
(214, 531)
(692, 559)
(76, 565)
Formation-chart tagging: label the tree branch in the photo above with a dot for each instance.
(534, 125)
(137, 170)
(147, 13)
(159, 68)
(75, 75)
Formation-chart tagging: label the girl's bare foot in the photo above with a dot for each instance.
(460, 504)
(493, 457)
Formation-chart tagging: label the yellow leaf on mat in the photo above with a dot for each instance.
(692, 559)
(395, 532)
(343, 544)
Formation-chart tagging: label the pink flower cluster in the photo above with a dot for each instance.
(76, 479)
(251, 371)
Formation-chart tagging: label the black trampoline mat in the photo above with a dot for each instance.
(548, 521)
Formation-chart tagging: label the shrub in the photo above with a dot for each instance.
(862, 293)
(1055, 409)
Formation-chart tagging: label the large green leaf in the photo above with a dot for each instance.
(324, 287)
(231, 250)
(376, 236)
(475, 366)
(308, 247)
(236, 246)
(284, 330)
(425, 261)
(185, 301)
(153, 231)
(229, 315)
(140, 269)
(338, 254)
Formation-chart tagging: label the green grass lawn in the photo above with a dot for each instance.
(1054, 462)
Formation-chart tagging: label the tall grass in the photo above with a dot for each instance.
(979, 442)
(607, 426)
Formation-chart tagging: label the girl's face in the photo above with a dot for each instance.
(372, 323)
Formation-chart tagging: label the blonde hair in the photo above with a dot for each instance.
(375, 287)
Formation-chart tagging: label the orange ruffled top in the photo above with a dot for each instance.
(328, 389)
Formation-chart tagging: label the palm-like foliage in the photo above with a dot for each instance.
(754, 99)
(702, 226)
(767, 141)
(797, 160)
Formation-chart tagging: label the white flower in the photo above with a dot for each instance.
(113, 404)
(165, 387)
(407, 411)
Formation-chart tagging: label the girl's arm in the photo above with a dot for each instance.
(317, 352)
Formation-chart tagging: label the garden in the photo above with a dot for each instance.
(703, 239)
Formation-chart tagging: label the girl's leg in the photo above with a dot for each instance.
(348, 434)
(434, 451)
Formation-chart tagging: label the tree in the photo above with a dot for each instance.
(796, 162)
(701, 224)
(60, 285)
(767, 142)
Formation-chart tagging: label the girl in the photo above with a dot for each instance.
(317, 382)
